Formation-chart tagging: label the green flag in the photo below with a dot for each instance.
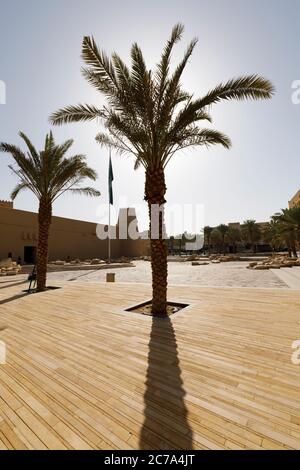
(110, 180)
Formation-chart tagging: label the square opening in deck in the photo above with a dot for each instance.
(145, 308)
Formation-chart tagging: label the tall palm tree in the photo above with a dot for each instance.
(150, 116)
(48, 174)
(251, 233)
(223, 229)
(207, 236)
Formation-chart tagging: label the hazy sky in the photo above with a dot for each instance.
(40, 45)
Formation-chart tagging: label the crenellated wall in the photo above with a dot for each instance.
(295, 201)
(68, 238)
(7, 204)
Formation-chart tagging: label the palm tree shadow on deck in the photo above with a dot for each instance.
(165, 415)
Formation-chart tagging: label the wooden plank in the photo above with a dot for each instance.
(82, 373)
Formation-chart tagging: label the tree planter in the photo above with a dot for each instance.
(145, 308)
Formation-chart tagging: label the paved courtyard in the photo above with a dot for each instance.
(231, 274)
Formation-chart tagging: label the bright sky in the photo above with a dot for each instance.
(40, 44)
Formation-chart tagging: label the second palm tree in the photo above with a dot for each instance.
(48, 174)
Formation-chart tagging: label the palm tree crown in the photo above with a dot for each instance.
(148, 114)
(291, 217)
(251, 230)
(49, 173)
(287, 227)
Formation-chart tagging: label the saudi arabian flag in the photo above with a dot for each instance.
(110, 180)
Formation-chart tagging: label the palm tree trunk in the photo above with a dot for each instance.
(155, 190)
(252, 244)
(44, 219)
(294, 249)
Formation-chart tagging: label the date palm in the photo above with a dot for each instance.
(233, 236)
(288, 222)
(150, 116)
(216, 240)
(251, 233)
(48, 174)
(223, 229)
(271, 235)
(292, 217)
(207, 236)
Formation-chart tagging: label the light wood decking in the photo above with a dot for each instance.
(81, 373)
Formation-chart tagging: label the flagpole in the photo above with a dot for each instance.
(109, 252)
(109, 257)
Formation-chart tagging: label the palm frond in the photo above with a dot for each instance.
(122, 73)
(86, 191)
(139, 161)
(33, 152)
(95, 79)
(98, 61)
(108, 141)
(25, 164)
(173, 92)
(63, 148)
(18, 188)
(206, 137)
(248, 87)
(162, 68)
(24, 177)
(81, 112)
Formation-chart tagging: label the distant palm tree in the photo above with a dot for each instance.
(233, 236)
(223, 229)
(48, 174)
(172, 238)
(150, 116)
(272, 236)
(292, 217)
(216, 240)
(207, 236)
(288, 227)
(251, 233)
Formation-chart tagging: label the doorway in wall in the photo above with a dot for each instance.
(29, 254)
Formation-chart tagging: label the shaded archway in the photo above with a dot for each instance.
(166, 423)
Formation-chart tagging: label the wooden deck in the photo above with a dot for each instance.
(83, 374)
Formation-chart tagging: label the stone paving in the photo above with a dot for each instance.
(230, 274)
(291, 276)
